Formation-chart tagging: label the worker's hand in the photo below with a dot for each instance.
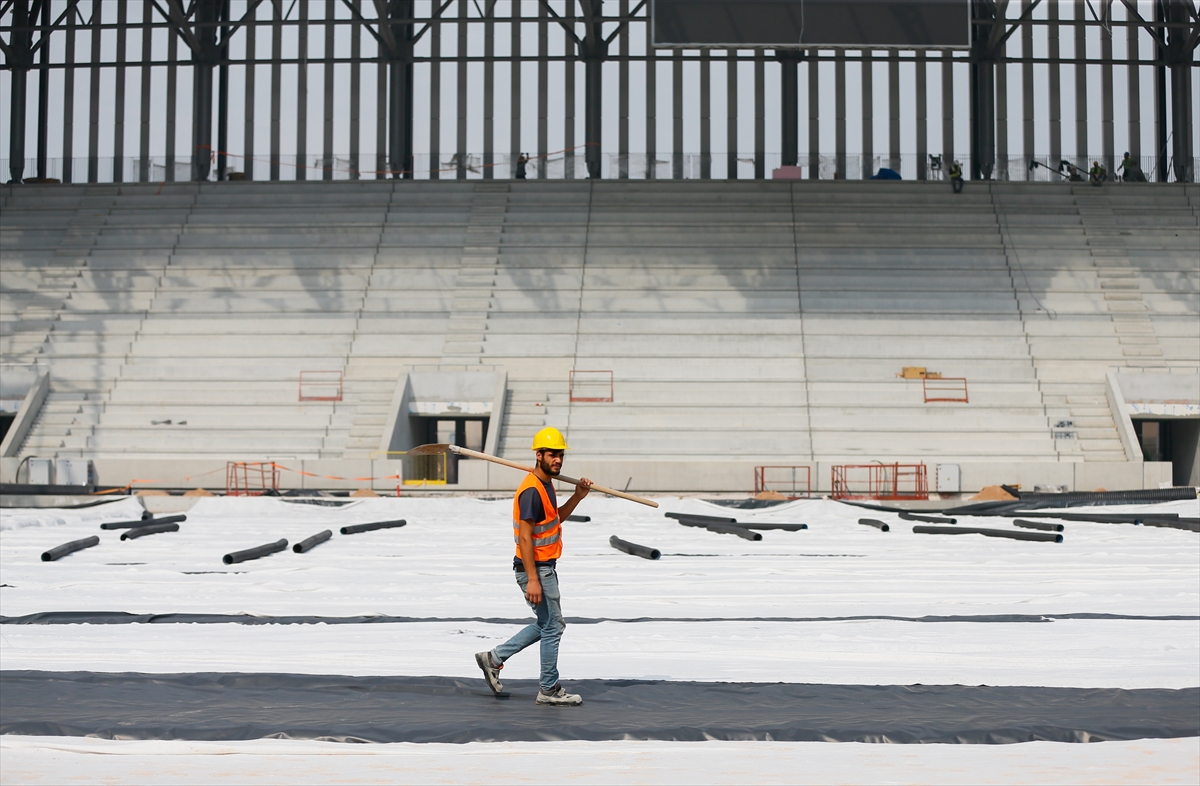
(582, 488)
(533, 591)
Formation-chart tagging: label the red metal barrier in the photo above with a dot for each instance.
(880, 481)
(945, 389)
(595, 386)
(791, 481)
(250, 478)
(320, 385)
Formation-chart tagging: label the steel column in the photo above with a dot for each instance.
(789, 106)
(144, 127)
(249, 107)
(1180, 61)
(677, 116)
(19, 64)
(1134, 79)
(983, 95)
(868, 116)
(894, 110)
(922, 117)
(1106, 92)
(223, 94)
(814, 114)
(1055, 87)
(760, 126)
(43, 121)
(593, 50)
(839, 112)
(400, 91)
(301, 165)
(204, 57)
(119, 97)
(731, 115)
(705, 116)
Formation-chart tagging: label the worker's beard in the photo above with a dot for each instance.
(547, 466)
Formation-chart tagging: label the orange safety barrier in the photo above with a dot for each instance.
(590, 386)
(880, 481)
(953, 389)
(793, 481)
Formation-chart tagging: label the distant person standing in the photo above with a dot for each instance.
(956, 178)
(522, 161)
(1131, 171)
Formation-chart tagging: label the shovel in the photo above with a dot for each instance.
(438, 449)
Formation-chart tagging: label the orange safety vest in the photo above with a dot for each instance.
(547, 534)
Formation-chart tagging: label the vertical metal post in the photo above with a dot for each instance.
(705, 115)
(222, 54)
(814, 114)
(328, 72)
(118, 174)
(894, 110)
(677, 115)
(1002, 172)
(1027, 143)
(144, 126)
(93, 98)
(867, 167)
(839, 110)
(1081, 96)
(543, 99)
(204, 57)
(623, 98)
(20, 69)
(515, 91)
(251, 34)
(398, 82)
(276, 54)
(43, 121)
(760, 112)
(983, 161)
(356, 97)
(1160, 96)
(302, 94)
(1181, 64)
(651, 105)
(68, 145)
(172, 86)
(594, 52)
(460, 68)
(489, 90)
(435, 101)
(1134, 78)
(731, 114)
(922, 117)
(569, 97)
(789, 106)
(1106, 91)
(1055, 86)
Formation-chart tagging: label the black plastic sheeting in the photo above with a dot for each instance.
(215, 706)
(201, 618)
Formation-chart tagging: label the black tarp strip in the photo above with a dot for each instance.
(238, 706)
(126, 618)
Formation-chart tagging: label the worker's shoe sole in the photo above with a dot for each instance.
(558, 697)
(491, 674)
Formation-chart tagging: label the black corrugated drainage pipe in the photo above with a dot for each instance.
(353, 529)
(150, 529)
(258, 551)
(311, 543)
(70, 548)
(142, 523)
(991, 533)
(645, 552)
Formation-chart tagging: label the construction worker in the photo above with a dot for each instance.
(1098, 174)
(537, 532)
(956, 178)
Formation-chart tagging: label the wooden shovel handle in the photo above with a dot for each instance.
(562, 478)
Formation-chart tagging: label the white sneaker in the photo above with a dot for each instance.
(491, 671)
(558, 697)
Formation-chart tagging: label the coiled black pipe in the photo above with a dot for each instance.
(356, 528)
(730, 529)
(69, 548)
(991, 533)
(875, 523)
(150, 529)
(1044, 526)
(904, 514)
(258, 551)
(143, 522)
(645, 552)
(312, 542)
(698, 517)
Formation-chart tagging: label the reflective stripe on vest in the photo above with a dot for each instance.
(547, 534)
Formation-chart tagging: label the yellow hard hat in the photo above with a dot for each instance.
(549, 438)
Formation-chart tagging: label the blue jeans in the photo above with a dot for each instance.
(548, 629)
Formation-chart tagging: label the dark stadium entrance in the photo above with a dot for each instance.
(1172, 439)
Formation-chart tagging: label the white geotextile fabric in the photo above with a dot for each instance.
(453, 560)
